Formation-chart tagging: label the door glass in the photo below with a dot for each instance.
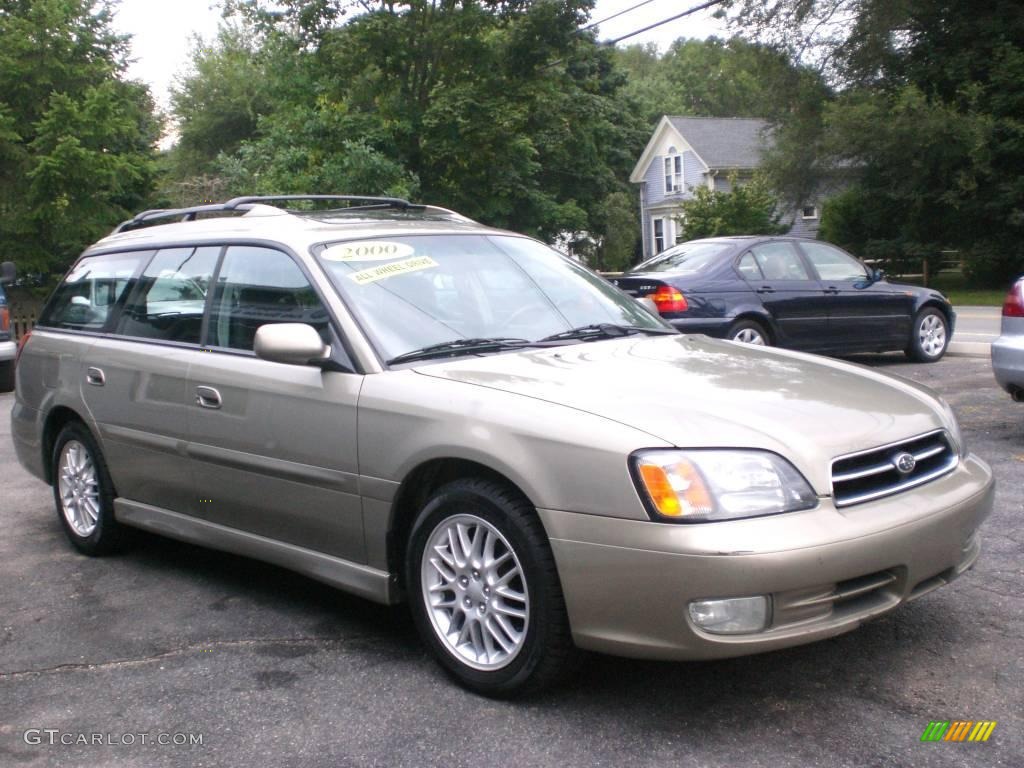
(169, 300)
(779, 261)
(748, 267)
(260, 286)
(93, 288)
(833, 264)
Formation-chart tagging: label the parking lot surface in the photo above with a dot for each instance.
(271, 669)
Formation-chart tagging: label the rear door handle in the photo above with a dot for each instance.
(208, 397)
(766, 289)
(95, 377)
(832, 290)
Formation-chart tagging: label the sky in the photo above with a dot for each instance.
(161, 31)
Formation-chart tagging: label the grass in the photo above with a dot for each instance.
(954, 287)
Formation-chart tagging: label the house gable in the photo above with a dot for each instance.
(665, 137)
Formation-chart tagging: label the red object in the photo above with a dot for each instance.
(669, 299)
(21, 346)
(1013, 305)
(5, 318)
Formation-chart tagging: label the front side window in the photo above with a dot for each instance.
(779, 261)
(260, 286)
(833, 264)
(96, 285)
(411, 292)
(169, 300)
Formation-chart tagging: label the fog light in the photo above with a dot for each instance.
(733, 616)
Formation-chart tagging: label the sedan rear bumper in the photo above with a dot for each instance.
(628, 583)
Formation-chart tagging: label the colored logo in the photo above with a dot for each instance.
(958, 730)
(904, 463)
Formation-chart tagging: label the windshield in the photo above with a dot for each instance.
(688, 258)
(412, 292)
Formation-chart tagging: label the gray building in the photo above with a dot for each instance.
(687, 152)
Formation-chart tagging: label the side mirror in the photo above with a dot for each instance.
(7, 272)
(290, 343)
(877, 274)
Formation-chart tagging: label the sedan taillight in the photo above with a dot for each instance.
(1013, 305)
(21, 345)
(5, 319)
(668, 299)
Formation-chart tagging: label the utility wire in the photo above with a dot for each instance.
(593, 24)
(649, 27)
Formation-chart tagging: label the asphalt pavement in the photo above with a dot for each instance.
(271, 669)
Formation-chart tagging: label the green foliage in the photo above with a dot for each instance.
(927, 123)
(716, 78)
(747, 209)
(76, 139)
(620, 237)
(500, 110)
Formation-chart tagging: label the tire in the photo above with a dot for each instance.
(459, 612)
(7, 376)
(749, 332)
(83, 492)
(929, 337)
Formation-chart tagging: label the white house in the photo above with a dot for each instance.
(687, 152)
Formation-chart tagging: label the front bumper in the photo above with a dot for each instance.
(1008, 362)
(8, 351)
(628, 583)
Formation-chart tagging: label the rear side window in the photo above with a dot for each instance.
(169, 299)
(259, 286)
(89, 294)
(779, 261)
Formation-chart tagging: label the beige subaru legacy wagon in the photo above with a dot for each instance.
(408, 405)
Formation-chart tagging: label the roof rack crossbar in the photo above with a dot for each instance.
(389, 202)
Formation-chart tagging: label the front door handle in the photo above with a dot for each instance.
(766, 289)
(208, 397)
(95, 377)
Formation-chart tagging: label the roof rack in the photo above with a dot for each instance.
(246, 203)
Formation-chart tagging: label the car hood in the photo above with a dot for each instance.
(693, 391)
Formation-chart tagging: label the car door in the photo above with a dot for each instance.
(788, 292)
(134, 389)
(273, 446)
(863, 313)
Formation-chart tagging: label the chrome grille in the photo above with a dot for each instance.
(872, 474)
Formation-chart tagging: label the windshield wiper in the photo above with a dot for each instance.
(459, 346)
(605, 331)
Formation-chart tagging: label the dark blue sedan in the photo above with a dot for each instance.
(799, 294)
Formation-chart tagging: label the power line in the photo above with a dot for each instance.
(649, 27)
(615, 15)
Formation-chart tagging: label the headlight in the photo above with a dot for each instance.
(953, 427)
(697, 486)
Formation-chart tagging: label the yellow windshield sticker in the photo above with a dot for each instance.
(390, 270)
(368, 250)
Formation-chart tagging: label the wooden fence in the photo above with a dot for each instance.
(22, 324)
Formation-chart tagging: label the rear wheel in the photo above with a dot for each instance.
(749, 332)
(930, 336)
(83, 492)
(485, 593)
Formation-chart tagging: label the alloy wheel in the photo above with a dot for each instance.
(78, 485)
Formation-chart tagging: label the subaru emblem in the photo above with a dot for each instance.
(904, 463)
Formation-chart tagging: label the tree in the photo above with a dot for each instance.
(747, 209)
(927, 122)
(76, 138)
(501, 110)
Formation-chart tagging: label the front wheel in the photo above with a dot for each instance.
(930, 336)
(485, 593)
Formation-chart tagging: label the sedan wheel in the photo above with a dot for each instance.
(484, 590)
(930, 336)
(79, 488)
(748, 332)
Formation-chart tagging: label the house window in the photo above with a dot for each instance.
(810, 211)
(659, 235)
(673, 172)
